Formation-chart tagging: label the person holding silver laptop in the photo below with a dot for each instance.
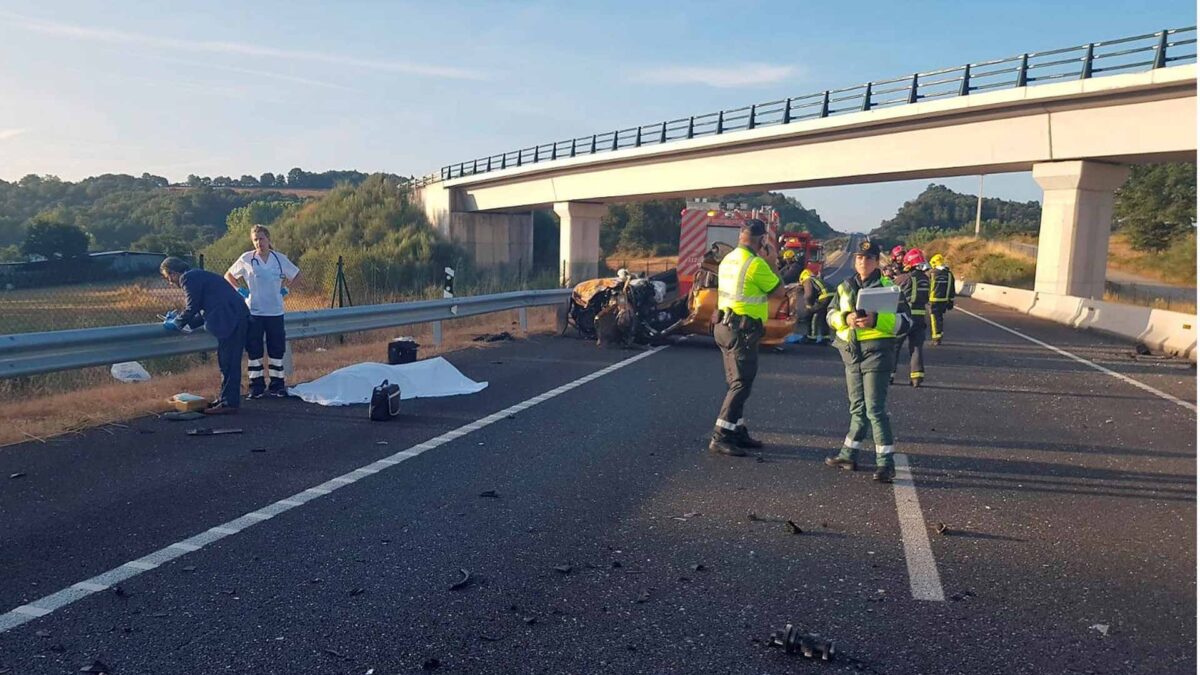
(868, 315)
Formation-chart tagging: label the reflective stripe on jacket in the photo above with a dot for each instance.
(743, 282)
(887, 324)
(942, 289)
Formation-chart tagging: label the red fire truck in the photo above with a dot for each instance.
(810, 251)
(703, 224)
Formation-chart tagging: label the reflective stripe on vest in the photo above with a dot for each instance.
(943, 278)
(823, 290)
(731, 286)
(739, 294)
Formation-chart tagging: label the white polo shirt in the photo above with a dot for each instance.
(264, 278)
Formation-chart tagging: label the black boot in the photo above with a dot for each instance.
(277, 388)
(885, 469)
(725, 444)
(845, 459)
(743, 439)
(257, 389)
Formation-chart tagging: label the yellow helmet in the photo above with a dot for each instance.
(789, 254)
(805, 275)
(937, 260)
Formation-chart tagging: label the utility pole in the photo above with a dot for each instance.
(979, 207)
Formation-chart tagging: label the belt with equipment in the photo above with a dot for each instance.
(738, 321)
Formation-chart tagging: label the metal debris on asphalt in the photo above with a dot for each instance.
(1101, 628)
(810, 645)
(206, 431)
(96, 667)
(699, 567)
(942, 529)
(490, 494)
(563, 569)
(644, 597)
(333, 652)
(794, 528)
(356, 591)
(463, 580)
(17, 475)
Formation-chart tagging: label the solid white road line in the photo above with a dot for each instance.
(923, 575)
(78, 591)
(1106, 371)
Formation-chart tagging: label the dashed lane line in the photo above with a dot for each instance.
(1090, 364)
(50, 603)
(923, 577)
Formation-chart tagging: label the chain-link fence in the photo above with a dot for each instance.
(354, 278)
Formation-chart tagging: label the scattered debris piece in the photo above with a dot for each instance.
(616, 564)
(176, 416)
(207, 431)
(491, 494)
(463, 581)
(316, 580)
(43, 633)
(809, 644)
(699, 567)
(1141, 349)
(381, 442)
(356, 591)
(530, 620)
(97, 667)
(691, 514)
(1101, 628)
(753, 516)
(563, 569)
(189, 568)
(333, 652)
(794, 528)
(958, 597)
(759, 459)
(431, 664)
(258, 449)
(644, 597)
(17, 475)
(942, 529)
(825, 525)
(494, 337)
(120, 592)
(511, 417)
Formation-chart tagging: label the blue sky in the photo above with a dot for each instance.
(223, 88)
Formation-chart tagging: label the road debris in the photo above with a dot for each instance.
(490, 494)
(794, 528)
(1101, 628)
(189, 568)
(563, 569)
(490, 638)
(207, 431)
(333, 652)
(357, 591)
(177, 416)
(699, 567)
(643, 598)
(810, 645)
(43, 633)
(96, 667)
(17, 475)
(502, 336)
(463, 580)
(258, 449)
(942, 529)
(120, 592)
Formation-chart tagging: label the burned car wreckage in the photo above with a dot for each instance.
(627, 309)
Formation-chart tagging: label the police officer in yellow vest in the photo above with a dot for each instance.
(867, 343)
(816, 305)
(745, 283)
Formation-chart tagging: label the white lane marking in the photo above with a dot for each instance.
(48, 604)
(1069, 355)
(923, 575)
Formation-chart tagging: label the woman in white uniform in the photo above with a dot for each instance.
(267, 274)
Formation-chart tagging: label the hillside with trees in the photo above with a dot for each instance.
(940, 211)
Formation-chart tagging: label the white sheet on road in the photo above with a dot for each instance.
(420, 379)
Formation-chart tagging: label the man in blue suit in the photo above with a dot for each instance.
(212, 302)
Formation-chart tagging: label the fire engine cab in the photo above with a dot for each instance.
(704, 223)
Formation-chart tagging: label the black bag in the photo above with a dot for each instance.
(385, 402)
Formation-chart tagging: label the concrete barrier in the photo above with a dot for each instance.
(1162, 331)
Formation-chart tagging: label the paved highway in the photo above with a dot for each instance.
(614, 543)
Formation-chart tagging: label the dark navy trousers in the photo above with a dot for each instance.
(229, 360)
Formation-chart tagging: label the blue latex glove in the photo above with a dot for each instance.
(170, 324)
(283, 290)
(244, 292)
(170, 316)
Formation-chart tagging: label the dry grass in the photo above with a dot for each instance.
(106, 402)
(1169, 267)
(640, 263)
(984, 261)
(1144, 300)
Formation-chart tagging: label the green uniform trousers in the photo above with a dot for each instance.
(869, 367)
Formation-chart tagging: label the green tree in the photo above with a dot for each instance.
(54, 240)
(164, 243)
(1157, 205)
(267, 180)
(940, 208)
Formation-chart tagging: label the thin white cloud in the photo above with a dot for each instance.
(744, 75)
(210, 46)
(258, 73)
(6, 134)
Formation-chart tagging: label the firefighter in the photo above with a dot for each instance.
(816, 303)
(941, 296)
(914, 286)
(746, 280)
(892, 265)
(790, 265)
(867, 343)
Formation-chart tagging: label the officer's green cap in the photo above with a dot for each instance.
(867, 248)
(755, 227)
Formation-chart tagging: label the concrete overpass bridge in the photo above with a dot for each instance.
(1075, 117)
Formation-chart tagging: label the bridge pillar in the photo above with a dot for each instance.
(579, 240)
(1076, 220)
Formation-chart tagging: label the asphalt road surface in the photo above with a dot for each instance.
(615, 543)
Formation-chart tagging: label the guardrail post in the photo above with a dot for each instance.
(573, 147)
(474, 167)
(489, 165)
(720, 122)
(965, 87)
(787, 111)
(753, 114)
(616, 138)
(662, 138)
(554, 151)
(593, 145)
(691, 127)
(1086, 71)
(520, 153)
(523, 319)
(1160, 52)
(1023, 71)
(537, 150)
(912, 90)
(504, 161)
(867, 98)
(637, 141)
(825, 104)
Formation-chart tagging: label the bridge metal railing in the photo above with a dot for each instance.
(35, 353)
(1169, 47)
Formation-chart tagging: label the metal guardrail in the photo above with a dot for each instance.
(1130, 54)
(34, 353)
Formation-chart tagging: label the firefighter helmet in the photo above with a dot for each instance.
(789, 254)
(805, 275)
(913, 258)
(937, 260)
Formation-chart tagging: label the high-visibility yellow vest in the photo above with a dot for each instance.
(823, 292)
(886, 323)
(743, 282)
